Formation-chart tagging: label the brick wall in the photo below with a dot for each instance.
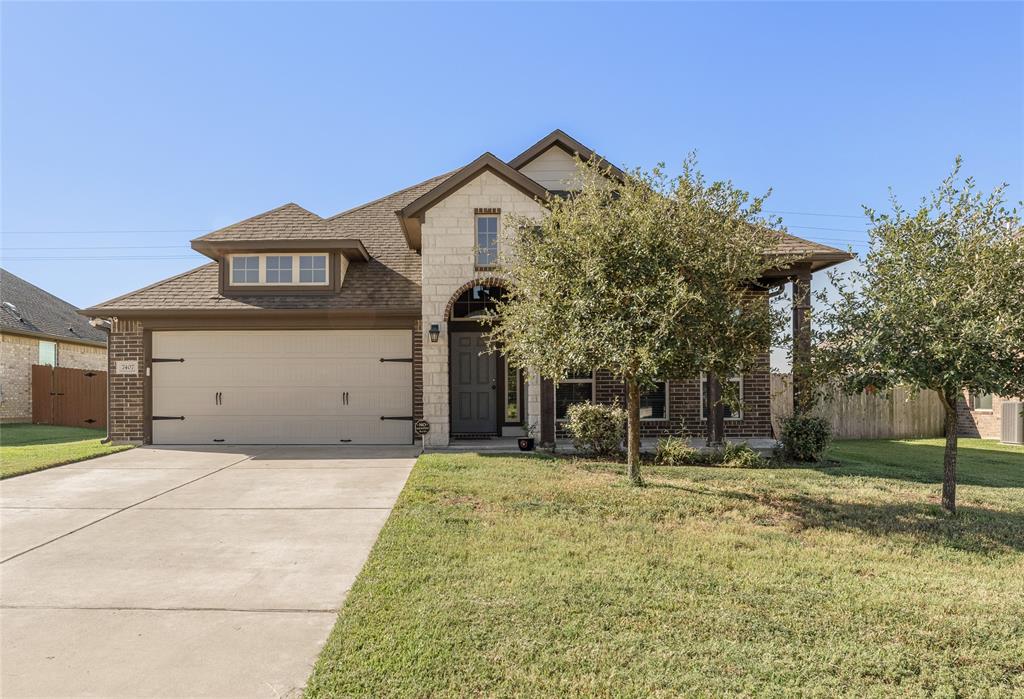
(417, 371)
(986, 424)
(126, 408)
(17, 355)
(684, 409)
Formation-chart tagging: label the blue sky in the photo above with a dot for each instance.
(170, 120)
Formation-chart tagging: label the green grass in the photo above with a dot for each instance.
(505, 576)
(27, 448)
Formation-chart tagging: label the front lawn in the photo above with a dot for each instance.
(506, 576)
(27, 448)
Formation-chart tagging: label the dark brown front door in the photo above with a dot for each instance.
(474, 385)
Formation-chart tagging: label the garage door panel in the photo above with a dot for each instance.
(282, 387)
(280, 371)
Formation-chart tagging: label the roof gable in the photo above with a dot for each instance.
(560, 139)
(412, 213)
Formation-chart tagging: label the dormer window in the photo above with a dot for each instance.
(245, 269)
(279, 270)
(313, 269)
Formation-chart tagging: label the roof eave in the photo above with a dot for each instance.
(570, 145)
(56, 338)
(352, 248)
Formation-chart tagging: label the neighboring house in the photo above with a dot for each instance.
(980, 415)
(36, 327)
(347, 329)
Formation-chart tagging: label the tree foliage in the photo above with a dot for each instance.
(939, 304)
(651, 277)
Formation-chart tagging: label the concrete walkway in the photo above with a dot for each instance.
(185, 572)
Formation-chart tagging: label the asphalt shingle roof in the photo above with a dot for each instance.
(389, 280)
(39, 312)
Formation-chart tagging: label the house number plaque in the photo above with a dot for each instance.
(126, 366)
(421, 427)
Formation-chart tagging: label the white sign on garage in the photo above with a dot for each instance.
(282, 387)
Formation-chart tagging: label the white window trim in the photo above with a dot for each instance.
(667, 414)
(295, 269)
(554, 394)
(476, 239)
(738, 415)
(519, 397)
(56, 353)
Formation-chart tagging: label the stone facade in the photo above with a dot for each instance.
(448, 264)
(17, 355)
(126, 406)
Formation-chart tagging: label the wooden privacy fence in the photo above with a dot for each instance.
(71, 397)
(900, 414)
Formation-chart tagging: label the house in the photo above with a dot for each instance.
(36, 327)
(358, 327)
(980, 415)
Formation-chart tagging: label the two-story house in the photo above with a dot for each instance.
(356, 327)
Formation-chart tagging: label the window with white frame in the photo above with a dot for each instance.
(486, 240)
(245, 269)
(654, 402)
(281, 270)
(730, 414)
(981, 401)
(312, 269)
(576, 388)
(47, 353)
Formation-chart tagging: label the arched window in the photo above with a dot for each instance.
(476, 302)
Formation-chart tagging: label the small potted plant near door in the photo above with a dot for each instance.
(526, 443)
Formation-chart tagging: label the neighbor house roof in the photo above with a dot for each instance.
(25, 309)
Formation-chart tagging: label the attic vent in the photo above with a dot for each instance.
(13, 309)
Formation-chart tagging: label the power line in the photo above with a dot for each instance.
(814, 213)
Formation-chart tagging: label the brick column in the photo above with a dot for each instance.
(126, 406)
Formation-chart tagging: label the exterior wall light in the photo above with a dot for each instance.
(434, 332)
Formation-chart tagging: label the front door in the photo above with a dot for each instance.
(474, 385)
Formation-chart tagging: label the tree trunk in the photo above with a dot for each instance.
(715, 423)
(949, 460)
(633, 429)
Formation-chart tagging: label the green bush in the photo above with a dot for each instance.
(674, 451)
(740, 455)
(805, 437)
(597, 429)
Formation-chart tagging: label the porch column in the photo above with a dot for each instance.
(803, 391)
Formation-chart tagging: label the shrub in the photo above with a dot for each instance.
(805, 437)
(597, 429)
(674, 451)
(740, 455)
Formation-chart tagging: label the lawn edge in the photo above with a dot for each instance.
(65, 462)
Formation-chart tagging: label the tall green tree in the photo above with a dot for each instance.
(938, 304)
(650, 277)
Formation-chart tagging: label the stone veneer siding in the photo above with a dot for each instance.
(126, 405)
(448, 263)
(17, 355)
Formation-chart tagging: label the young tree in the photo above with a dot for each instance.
(939, 305)
(650, 277)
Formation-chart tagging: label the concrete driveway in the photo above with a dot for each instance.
(185, 572)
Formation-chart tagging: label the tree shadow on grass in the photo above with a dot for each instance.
(922, 463)
(972, 529)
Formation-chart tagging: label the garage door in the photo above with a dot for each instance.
(282, 387)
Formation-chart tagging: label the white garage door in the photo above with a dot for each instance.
(282, 387)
